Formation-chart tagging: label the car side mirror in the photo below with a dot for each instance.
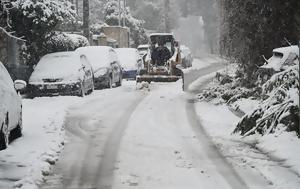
(20, 85)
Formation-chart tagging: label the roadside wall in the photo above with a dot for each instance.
(10, 50)
(120, 34)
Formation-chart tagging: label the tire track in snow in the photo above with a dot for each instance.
(222, 165)
(110, 153)
(88, 160)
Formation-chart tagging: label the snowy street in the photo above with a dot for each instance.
(159, 94)
(156, 136)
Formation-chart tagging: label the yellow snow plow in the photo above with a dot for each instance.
(162, 60)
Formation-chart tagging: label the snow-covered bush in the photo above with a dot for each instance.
(97, 28)
(58, 42)
(279, 108)
(36, 19)
(227, 88)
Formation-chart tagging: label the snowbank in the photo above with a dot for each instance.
(268, 145)
(28, 159)
(279, 106)
(275, 157)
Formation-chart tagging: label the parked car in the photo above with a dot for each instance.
(105, 64)
(63, 73)
(186, 55)
(10, 108)
(131, 62)
(281, 59)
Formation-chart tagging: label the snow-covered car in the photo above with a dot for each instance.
(143, 49)
(105, 63)
(186, 55)
(281, 59)
(10, 108)
(62, 73)
(131, 62)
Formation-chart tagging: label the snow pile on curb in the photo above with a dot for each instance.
(279, 106)
(31, 156)
(277, 103)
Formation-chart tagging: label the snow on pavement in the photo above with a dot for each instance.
(29, 158)
(219, 122)
(161, 150)
(153, 154)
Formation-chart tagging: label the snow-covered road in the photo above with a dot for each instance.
(94, 130)
(121, 138)
(165, 146)
(124, 138)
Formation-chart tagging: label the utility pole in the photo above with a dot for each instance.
(86, 19)
(167, 18)
(77, 5)
(124, 13)
(119, 12)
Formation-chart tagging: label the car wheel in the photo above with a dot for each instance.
(93, 87)
(16, 132)
(4, 134)
(109, 84)
(119, 83)
(82, 90)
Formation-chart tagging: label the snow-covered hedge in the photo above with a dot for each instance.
(275, 103)
(279, 108)
(58, 42)
(227, 89)
(35, 20)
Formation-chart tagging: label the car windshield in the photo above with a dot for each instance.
(128, 58)
(56, 66)
(98, 57)
(57, 62)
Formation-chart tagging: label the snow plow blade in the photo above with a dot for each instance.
(157, 78)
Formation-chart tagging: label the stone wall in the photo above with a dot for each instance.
(120, 34)
(10, 56)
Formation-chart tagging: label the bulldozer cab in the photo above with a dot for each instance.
(162, 48)
(162, 60)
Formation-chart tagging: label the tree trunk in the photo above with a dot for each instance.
(86, 19)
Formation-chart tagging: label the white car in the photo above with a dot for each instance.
(105, 63)
(63, 73)
(281, 59)
(10, 108)
(131, 62)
